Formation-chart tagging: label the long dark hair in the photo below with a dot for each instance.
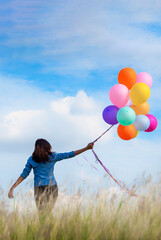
(42, 151)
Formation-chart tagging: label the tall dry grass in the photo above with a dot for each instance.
(104, 215)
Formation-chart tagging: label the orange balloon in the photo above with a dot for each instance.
(141, 109)
(126, 132)
(127, 76)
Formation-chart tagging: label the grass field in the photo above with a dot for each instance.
(100, 216)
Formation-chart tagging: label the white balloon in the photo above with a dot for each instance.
(141, 123)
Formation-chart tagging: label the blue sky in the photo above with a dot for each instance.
(58, 61)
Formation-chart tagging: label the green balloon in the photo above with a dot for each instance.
(126, 116)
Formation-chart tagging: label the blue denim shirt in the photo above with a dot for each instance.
(44, 173)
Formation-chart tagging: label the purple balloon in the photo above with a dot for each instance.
(110, 114)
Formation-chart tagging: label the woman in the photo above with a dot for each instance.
(42, 161)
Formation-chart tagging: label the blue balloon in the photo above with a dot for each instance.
(141, 123)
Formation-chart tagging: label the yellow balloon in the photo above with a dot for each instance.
(137, 132)
(142, 109)
(139, 93)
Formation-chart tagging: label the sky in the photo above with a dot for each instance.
(58, 61)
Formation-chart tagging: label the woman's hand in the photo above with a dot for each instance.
(90, 145)
(10, 193)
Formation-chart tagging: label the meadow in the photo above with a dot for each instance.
(105, 214)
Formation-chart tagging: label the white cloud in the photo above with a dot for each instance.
(69, 120)
(81, 104)
(74, 40)
(15, 123)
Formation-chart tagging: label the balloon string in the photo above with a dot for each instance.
(102, 134)
(124, 187)
(90, 164)
(119, 183)
(78, 163)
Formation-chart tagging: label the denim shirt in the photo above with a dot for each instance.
(44, 173)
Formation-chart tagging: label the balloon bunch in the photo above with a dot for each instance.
(130, 107)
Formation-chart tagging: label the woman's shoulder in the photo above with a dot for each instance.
(52, 155)
(30, 159)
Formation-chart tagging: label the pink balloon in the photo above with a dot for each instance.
(119, 95)
(153, 123)
(144, 78)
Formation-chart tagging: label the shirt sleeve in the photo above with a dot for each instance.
(61, 156)
(27, 169)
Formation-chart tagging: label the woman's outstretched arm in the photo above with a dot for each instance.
(89, 146)
(66, 155)
(19, 180)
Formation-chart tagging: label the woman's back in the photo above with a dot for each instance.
(44, 172)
